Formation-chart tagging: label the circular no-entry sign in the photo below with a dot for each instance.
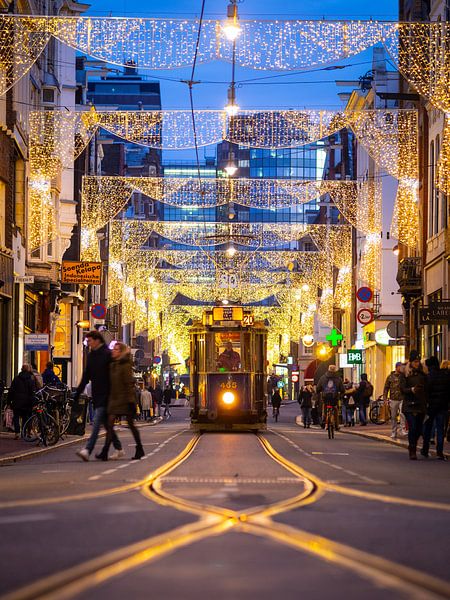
(98, 311)
(365, 316)
(364, 294)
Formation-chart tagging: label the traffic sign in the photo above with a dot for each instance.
(156, 360)
(365, 316)
(364, 294)
(98, 311)
(396, 329)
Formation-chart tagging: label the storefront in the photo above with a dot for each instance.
(381, 353)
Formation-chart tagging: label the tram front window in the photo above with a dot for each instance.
(229, 359)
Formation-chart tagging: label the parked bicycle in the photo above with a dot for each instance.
(59, 405)
(380, 411)
(41, 426)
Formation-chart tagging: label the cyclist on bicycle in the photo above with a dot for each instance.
(276, 401)
(331, 387)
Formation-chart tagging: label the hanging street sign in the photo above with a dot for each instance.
(355, 357)
(334, 337)
(98, 311)
(396, 329)
(435, 313)
(365, 316)
(364, 294)
(81, 272)
(23, 278)
(36, 341)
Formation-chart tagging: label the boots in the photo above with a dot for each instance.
(139, 452)
(412, 453)
(103, 455)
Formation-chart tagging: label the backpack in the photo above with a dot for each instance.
(368, 390)
(330, 390)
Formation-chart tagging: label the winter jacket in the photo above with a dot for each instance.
(438, 389)
(323, 383)
(21, 392)
(276, 399)
(414, 402)
(49, 377)
(167, 396)
(305, 398)
(97, 372)
(157, 395)
(122, 399)
(360, 395)
(392, 387)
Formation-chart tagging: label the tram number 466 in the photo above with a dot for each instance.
(229, 385)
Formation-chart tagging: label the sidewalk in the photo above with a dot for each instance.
(12, 450)
(381, 433)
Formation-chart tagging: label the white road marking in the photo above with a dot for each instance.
(94, 477)
(109, 471)
(325, 462)
(55, 471)
(124, 465)
(26, 518)
(332, 453)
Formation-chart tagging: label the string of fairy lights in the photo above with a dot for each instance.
(146, 281)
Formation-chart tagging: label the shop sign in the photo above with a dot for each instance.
(36, 341)
(355, 357)
(435, 313)
(23, 278)
(81, 272)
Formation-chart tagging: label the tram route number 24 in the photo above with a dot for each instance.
(229, 385)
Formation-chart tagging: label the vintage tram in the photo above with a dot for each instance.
(228, 371)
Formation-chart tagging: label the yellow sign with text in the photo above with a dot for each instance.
(81, 272)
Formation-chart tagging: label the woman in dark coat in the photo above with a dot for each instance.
(414, 407)
(122, 398)
(21, 395)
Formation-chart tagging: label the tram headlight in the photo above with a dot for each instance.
(228, 398)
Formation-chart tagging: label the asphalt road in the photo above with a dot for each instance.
(227, 516)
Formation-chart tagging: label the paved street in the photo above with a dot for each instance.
(286, 513)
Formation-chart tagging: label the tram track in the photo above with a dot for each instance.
(216, 520)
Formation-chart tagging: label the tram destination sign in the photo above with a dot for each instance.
(228, 313)
(81, 272)
(435, 313)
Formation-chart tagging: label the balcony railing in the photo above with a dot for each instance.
(409, 275)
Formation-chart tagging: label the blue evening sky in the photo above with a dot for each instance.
(315, 89)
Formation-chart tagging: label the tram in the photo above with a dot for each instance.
(228, 371)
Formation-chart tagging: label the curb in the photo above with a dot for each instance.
(386, 440)
(13, 458)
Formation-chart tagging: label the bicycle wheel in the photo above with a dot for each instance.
(49, 430)
(377, 415)
(31, 429)
(330, 427)
(65, 420)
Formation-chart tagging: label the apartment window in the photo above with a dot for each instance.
(435, 331)
(431, 191)
(48, 95)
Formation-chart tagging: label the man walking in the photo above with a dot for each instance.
(393, 392)
(362, 397)
(167, 397)
(97, 372)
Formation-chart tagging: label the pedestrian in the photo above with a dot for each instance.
(348, 404)
(392, 392)
(49, 376)
(157, 395)
(97, 372)
(146, 402)
(122, 400)
(21, 397)
(414, 406)
(37, 376)
(331, 387)
(305, 400)
(363, 395)
(167, 397)
(438, 384)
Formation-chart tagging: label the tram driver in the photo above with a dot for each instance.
(229, 359)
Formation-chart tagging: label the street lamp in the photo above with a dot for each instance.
(231, 27)
(396, 250)
(231, 108)
(231, 250)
